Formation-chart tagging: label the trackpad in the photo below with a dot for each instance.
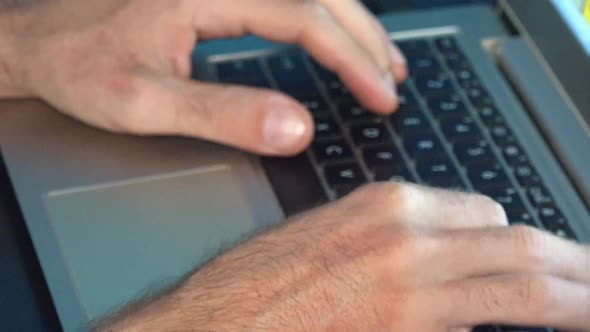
(121, 239)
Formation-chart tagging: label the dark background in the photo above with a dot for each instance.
(25, 304)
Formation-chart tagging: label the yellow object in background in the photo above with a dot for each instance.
(587, 10)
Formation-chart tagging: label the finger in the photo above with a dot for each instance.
(520, 299)
(447, 209)
(313, 26)
(369, 32)
(480, 252)
(260, 121)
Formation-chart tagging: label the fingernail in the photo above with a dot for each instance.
(283, 129)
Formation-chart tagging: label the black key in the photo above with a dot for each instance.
(447, 106)
(514, 154)
(399, 173)
(554, 221)
(473, 151)
(292, 75)
(351, 111)
(538, 195)
(522, 329)
(337, 89)
(324, 74)
(446, 44)
(438, 171)
(465, 74)
(295, 182)
(406, 97)
(489, 114)
(423, 65)
(369, 133)
(507, 196)
(520, 217)
(344, 190)
(425, 144)
(412, 48)
(478, 95)
(434, 85)
(501, 134)
(526, 175)
(459, 129)
(485, 329)
(326, 127)
(349, 174)
(382, 156)
(410, 122)
(242, 72)
(332, 150)
(456, 60)
(486, 174)
(317, 106)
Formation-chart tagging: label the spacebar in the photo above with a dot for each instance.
(295, 183)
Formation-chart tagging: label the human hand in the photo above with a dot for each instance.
(389, 257)
(124, 66)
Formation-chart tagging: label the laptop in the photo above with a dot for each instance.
(497, 103)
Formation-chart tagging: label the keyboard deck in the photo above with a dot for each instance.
(448, 132)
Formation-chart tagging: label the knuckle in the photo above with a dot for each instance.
(535, 292)
(529, 241)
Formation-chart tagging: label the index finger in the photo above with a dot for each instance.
(311, 25)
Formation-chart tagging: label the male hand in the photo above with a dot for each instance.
(389, 257)
(124, 65)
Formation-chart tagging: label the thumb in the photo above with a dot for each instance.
(257, 120)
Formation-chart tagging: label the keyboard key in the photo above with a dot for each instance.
(438, 172)
(489, 114)
(242, 72)
(317, 106)
(398, 173)
(506, 195)
(295, 182)
(423, 65)
(351, 111)
(478, 95)
(406, 98)
(332, 150)
(485, 329)
(522, 329)
(456, 60)
(423, 144)
(369, 133)
(337, 89)
(473, 151)
(554, 221)
(326, 127)
(465, 74)
(514, 154)
(434, 85)
(526, 175)
(292, 75)
(538, 195)
(349, 174)
(486, 174)
(447, 106)
(446, 44)
(520, 217)
(412, 48)
(324, 74)
(410, 122)
(501, 134)
(459, 129)
(382, 156)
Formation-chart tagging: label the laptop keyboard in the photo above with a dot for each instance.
(448, 132)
